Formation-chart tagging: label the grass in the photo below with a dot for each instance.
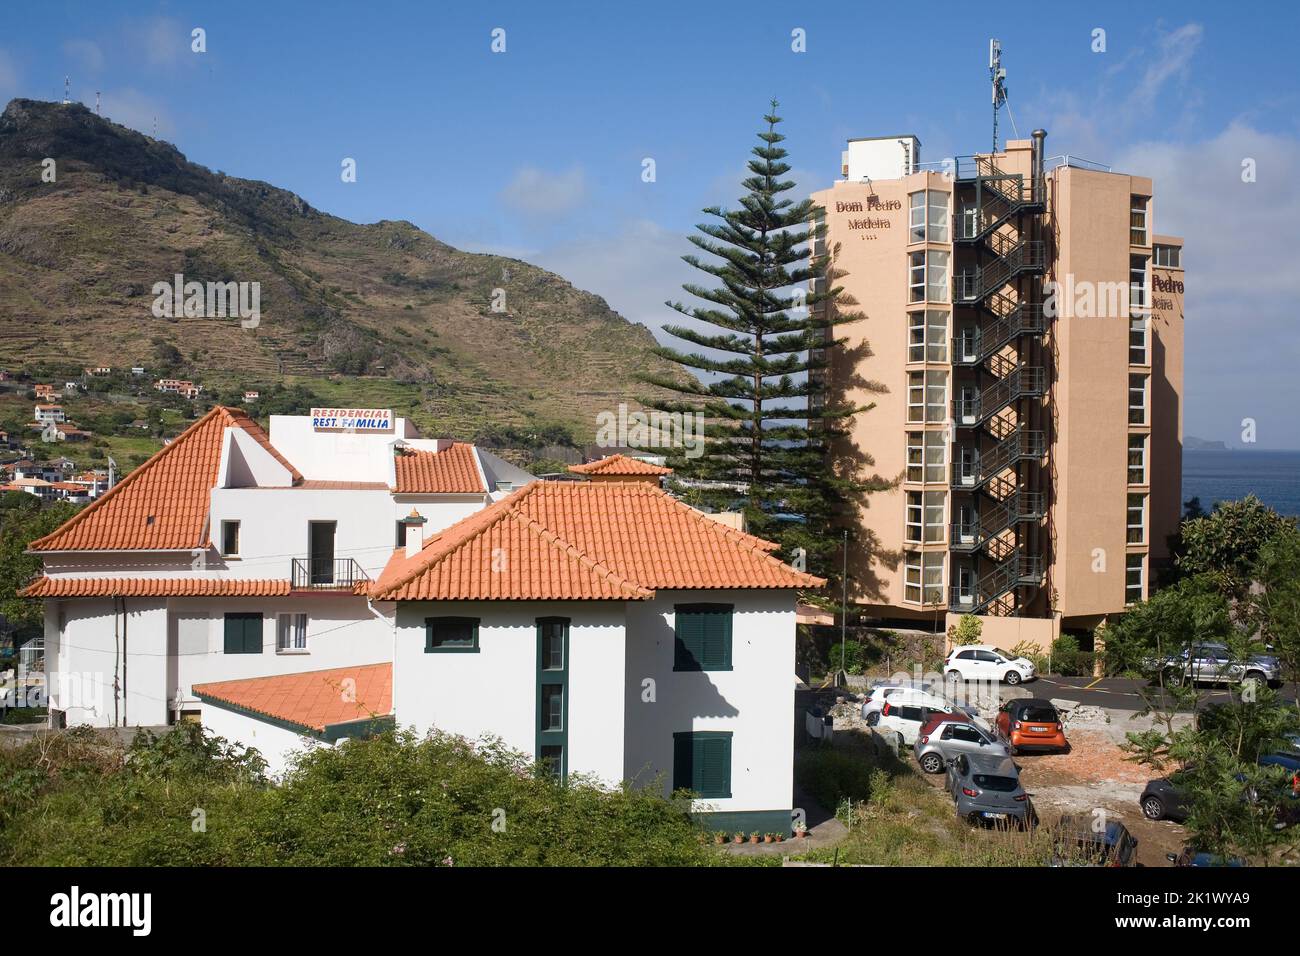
(896, 818)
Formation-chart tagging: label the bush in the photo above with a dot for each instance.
(966, 631)
(1066, 656)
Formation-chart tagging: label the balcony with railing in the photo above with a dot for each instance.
(326, 574)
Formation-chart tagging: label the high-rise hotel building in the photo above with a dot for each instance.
(1023, 350)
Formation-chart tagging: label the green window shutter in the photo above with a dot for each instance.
(243, 633)
(702, 637)
(702, 763)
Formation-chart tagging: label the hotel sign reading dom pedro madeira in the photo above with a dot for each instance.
(869, 223)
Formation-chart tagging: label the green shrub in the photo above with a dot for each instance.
(966, 631)
(1066, 656)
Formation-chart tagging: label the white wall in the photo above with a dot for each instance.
(336, 456)
(754, 700)
(494, 692)
(175, 643)
(97, 647)
(276, 744)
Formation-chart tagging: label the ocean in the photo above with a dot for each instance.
(1272, 476)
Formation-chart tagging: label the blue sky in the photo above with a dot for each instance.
(537, 152)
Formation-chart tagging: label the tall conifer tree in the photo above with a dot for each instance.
(762, 345)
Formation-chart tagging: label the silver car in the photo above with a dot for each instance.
(948, 738)
(986, 788)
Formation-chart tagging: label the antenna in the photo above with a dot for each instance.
(66, 98)
(997, 76)
(97, 113)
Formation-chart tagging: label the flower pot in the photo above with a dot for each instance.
(719, 838)
(753, 838)
(769, 839)
(738, 839)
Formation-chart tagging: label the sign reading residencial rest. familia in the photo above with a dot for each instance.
(352, 419)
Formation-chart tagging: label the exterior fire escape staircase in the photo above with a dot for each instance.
(990, 227)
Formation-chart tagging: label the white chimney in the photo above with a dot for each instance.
(414, 524)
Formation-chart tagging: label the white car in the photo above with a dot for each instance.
(907, 717)
(986, 663)
(898, 694)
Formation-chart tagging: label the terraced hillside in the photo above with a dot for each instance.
(381, 313)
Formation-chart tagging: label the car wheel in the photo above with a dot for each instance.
(954, 676)
(873, 718)
(932, 763)
(1173, 679)
(1256, 678)
(1153, 808)
(1012, 678)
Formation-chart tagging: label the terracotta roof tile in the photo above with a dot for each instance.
(451, 471)
(163, 504)
(584, 541)
(61, 587)
(618, 466)
(312, 700)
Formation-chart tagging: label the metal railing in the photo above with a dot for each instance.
(977, 344)
(1016, 571)
(993, 520)
(1024, 381)
(1021, 445)
(979, 283)
(325, 574)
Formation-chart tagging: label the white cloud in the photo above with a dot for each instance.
(536, 192)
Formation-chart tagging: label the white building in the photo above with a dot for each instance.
(341, 574)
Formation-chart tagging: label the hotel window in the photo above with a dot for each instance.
(926, 453)
(290, 633)
(1137, 282)
(924, 517)
(936, 396)
(923, 577)
(1137, 223)
(230, 539)
(1137, 459)
(1133, 575)
(1137, 506)
(927, 336)
(1171, 257)
(1137, 399)
(916, 277)
(451, 635)
(1139, 329)
(937, 275)
(928, 216)
(552, 695)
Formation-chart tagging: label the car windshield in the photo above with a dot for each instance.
(997, 784)
(1043, 713)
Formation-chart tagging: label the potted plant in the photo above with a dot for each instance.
(719, 837)
(738, 837)
(780, 837)
(769, 837)
(801, 830)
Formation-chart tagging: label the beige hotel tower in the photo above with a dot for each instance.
(1023, 348)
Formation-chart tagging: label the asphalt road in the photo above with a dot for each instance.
(1120, 693)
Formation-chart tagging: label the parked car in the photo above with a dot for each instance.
(946, 735)
(1030, 724)
(1190, 857)
(1213, 664)
(984, 662)
(986, 788)
(880, 692)
(873, 706)
(1162, 800)
(1077, 842)
(907, 718)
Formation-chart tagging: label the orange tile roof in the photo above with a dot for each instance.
(163, 504)
(451, 471)
(619, 465)
(61, 587)
(313, 700)
(562, 540)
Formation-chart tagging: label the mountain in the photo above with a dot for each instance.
(1192, 443)
(381, 314)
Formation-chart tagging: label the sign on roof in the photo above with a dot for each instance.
(352, 419)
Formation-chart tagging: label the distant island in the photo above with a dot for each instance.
(1192, 443)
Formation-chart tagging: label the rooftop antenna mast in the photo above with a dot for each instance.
(97, 113)
(67, 80)
(998, 77)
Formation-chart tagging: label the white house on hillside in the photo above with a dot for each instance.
(341, 574)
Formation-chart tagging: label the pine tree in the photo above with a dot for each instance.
(769, 423)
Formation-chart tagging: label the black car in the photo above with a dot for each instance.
(1077, 842)
(1162, 800)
